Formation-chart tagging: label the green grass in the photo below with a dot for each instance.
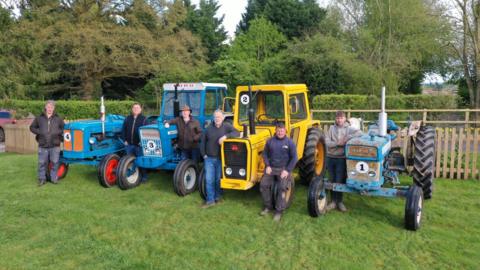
(80, 225)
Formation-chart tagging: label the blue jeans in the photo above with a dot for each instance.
(337, 173)
(137, 151)
(45, 156)
(193, 154)
(213, 172)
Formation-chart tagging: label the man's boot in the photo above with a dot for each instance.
(332, 205)
(265, 212)
(277, 216)
(341, 207)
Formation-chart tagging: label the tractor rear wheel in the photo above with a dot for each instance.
(185, 177)
(202, 185)
(2, 135)
(314, 156)
(413, 208)
(107, 170)
(128, 174)
(317, 197)
(288, 193)
(424, 160)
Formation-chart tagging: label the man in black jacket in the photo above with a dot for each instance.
(48, 128)
(131, 134)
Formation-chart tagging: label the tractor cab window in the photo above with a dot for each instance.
(268, 107)
(296, 105)
(190, 98)
(213, 100)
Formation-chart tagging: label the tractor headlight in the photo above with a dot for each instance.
(353, 173)
(372, 174)
(241, 172)
(92, 140)
(228, 171)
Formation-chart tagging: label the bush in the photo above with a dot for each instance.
(368, 102)
(69, 109)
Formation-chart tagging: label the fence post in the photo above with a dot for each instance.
(467, 118)
(424, 118)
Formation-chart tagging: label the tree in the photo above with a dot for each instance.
(204, 23)
(402, 40)
(294, 18)
(465, 19)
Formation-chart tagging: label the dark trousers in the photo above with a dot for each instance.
(337, 173)
(193, 154)
(45, 156)
(137, 151)
(266, 186)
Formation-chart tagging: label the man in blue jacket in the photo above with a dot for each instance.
(280, 157)
(131, 134)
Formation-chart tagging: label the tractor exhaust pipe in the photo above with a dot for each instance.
(102, 116)
(382, 116)
(251, 112)
(176, 103)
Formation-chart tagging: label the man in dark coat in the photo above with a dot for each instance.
(189, 133)
(131, 134)
(48, 128)
(280, 157)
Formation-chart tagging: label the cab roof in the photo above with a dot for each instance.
(274, 87)
(193, 86)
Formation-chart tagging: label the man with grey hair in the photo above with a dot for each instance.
(210, 145)
(48, 128)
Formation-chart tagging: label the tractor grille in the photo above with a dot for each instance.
(235, 154)
(151, 143)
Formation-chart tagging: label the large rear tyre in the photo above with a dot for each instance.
(2, 135)
(314, 156)
(317, 198)
(413, 208)
(107, 170)
(128, 173)
(288, 193)
(424, 160)
(185, 177)
(202, 185)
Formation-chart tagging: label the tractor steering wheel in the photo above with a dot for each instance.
(265, 116)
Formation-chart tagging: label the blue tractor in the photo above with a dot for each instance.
(93, 142)
(373, 167)
(159, 143)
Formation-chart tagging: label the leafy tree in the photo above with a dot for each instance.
(294, 18)
(204, 23)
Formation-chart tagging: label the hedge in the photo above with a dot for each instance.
(69, 109)
(364, 102)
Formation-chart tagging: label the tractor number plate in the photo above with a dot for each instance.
(362, 167)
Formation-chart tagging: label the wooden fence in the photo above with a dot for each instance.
(19, 139)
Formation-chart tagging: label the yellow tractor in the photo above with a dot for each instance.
(257, 110)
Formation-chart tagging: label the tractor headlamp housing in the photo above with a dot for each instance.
(228, 171)
(241, 172)
(92, 140)
(372, 174)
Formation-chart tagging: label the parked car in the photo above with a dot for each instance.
(6, 117)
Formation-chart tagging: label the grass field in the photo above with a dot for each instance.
(80, 225)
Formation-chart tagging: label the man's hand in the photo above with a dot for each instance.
(342, 141)
(167, 125)
(284, 174)
(223, 138)
(268, 170)
(125, 143)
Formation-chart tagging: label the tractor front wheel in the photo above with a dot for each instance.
(288, 193)
(313, 162)
(317, 197)
(185, 177)
(413, 208)
(107, 170)
(424, 160)
(128, 173)
(62, 170)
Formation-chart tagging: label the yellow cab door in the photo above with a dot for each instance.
(298, 120)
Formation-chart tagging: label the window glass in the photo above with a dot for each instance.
(190, 98)
(297, 107)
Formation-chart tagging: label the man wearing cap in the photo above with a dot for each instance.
(189, 133)
(131, 134)
(335, 140)
(280, 157)
(210, 145)
(48, 128)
